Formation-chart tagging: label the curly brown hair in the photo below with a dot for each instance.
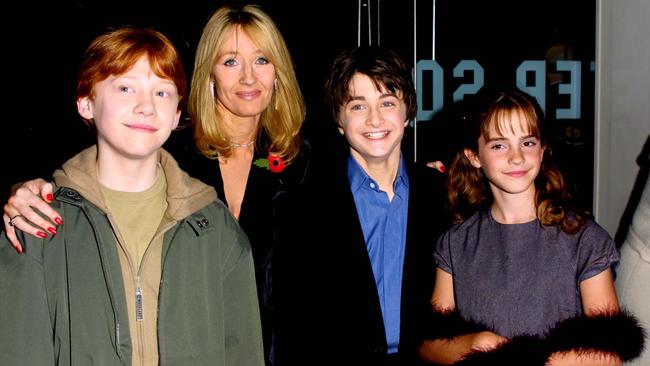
(467, 185)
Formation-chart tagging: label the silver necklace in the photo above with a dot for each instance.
(235, 145)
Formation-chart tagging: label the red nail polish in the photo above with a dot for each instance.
(41, 234)
(58, 220)
(442, 168)
(49, 197)
(19, 249)
(51, 230)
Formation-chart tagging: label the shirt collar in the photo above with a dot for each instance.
(359, 178)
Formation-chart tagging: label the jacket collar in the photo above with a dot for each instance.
(185, 194)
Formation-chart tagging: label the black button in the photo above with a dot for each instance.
(72, 194)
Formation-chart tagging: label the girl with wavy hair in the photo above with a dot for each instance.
(523, 276)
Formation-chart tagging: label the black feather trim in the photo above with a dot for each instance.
(614, 333)
(523, 350)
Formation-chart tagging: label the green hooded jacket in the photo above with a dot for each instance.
(63, 300)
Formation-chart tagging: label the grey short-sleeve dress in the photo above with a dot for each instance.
(521, 279)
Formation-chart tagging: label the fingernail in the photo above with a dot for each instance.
(49, 197)
(19, 249)
(51, 230)
(58, 220)
(442, 168)
(41, 234)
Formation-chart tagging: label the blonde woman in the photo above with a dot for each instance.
(247, 110)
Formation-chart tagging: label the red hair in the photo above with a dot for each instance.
(115, 52)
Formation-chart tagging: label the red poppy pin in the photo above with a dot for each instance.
(272, 162)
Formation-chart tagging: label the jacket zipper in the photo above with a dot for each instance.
(139, 308)
(139, 311)
(139, 300)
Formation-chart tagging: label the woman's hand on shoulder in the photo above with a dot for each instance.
(20, 212)
(437, 165)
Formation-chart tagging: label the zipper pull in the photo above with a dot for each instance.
(139, 314)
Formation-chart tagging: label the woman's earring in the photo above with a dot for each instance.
(275, 86)
(212, 88)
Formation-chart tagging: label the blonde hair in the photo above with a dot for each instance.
(281, 120)
(467, 187)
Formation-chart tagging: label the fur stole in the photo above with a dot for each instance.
(615, 333)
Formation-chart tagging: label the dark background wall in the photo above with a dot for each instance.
(41, 127)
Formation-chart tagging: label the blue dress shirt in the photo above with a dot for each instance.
(384, 229)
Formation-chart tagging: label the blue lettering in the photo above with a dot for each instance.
(465, 89)
(538, 89)
(572, 88)
(437, 83)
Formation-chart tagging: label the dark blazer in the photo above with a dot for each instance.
(264, 194)
(329, 310)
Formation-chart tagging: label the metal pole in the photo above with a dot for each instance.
(433, 31)
(378, 23)
(359, 25)
(415, 79)
(369, 25)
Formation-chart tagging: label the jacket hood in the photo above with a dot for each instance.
(185, 195)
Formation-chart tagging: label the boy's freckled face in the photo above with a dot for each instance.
(373, 122)
(134, 112)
